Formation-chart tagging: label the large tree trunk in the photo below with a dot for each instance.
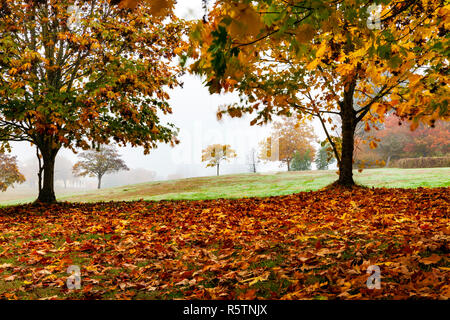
(47, 192)
(348, 116)
(288, 165)
(346, 168)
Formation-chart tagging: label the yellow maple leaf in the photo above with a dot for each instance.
(379, 108)
(246, 21)
(358, 53)
(130, 4)
(304, 33)
(13, 71)
(160, 8)
(344, 69)
(26, 66)
(313, 64)
(321, 51)
(95, 45)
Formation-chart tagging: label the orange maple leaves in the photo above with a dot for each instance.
(311, 245)
(158, 8)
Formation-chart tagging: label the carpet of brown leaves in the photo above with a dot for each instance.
(311, 245)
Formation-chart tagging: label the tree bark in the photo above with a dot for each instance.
(346, 168)
(348, 116)
(99, 185)
(288, 165)
(47, 192)
(217, 169)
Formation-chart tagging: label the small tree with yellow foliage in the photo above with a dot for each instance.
(216, 153)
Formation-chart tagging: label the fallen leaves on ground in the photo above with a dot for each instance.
(311, 245)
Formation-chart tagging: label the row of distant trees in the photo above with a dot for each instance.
(92, 163)
(290, 142)
(380, 145)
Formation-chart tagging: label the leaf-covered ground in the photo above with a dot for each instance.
(311, 245)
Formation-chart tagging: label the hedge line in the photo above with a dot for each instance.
(423, 162)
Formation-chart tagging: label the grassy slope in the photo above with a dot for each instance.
(260, 185)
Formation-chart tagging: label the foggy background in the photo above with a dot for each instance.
(194, 113)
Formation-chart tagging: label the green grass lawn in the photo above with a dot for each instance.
(255, 185)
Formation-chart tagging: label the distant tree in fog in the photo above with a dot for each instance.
(63, 170)
(252, 160)
(30, 171)
(95, 163)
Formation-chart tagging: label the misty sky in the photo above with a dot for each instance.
(194, 113)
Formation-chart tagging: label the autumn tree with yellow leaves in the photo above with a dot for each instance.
(76, 74)
(216, 153)
(315, 58)
(288, 137)
(9, 172)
